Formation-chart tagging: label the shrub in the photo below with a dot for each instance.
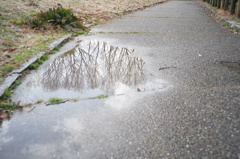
(57, 17)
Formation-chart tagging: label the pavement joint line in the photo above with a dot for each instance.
(159, 17)
(233, 24)
(177, 33)
(13, 76)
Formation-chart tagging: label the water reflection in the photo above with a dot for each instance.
(93, 65)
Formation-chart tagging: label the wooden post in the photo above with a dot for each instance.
(218, 4)
(233, 7)
(226, 4)
(222, 4)
(238, 9)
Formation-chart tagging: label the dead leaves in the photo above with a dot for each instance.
(4, 116)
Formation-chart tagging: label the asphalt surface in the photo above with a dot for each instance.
(190, 108)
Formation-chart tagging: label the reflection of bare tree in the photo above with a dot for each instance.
(92, 66)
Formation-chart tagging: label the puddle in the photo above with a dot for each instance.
(71, 129)
(89, 69)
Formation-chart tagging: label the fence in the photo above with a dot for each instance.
(233, 6)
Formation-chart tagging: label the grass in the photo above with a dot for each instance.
(39, 102)
(15, 84)
(7, 93)
(228, 25)
(38, 62)
(6, 68)
(55, 100)
(7, 107)
(29, 51)
(102, 96)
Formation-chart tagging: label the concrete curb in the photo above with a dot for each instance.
(231, 23)
(11, 78)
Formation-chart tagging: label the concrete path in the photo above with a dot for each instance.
(190, 107)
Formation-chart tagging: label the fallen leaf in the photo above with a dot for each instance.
(4, 115)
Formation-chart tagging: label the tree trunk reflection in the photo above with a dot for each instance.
(95, 66)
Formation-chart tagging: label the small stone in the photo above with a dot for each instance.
(141, 89)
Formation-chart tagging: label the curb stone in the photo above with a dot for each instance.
(11, 78)
(232, 24)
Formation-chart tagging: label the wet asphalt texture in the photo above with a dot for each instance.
(198, 116)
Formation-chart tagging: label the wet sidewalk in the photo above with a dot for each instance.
(158, 83)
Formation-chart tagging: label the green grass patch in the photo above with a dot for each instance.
(226, 24)
(38, 62)
(34, 66)
(80, 32)
(6, 68)
(7, 107)
(102, 96)
(15, 84)
(7, 93)
(44, 57)
(20, 58)
(55, 100)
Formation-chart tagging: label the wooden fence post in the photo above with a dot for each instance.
(222, 4)
(238, 9)
(233, 7)
(218, 4)
(226, 4)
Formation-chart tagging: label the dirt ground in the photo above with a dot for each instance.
(18, 42)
